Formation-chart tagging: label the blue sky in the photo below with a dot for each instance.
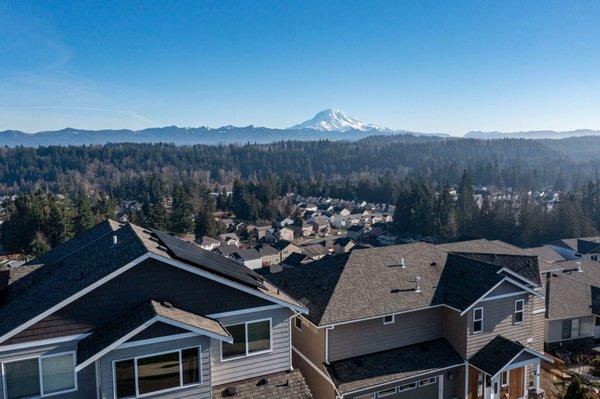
(447, 66)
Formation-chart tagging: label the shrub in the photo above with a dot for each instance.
(595, 363)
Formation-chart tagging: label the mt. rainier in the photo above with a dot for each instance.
(333, 120)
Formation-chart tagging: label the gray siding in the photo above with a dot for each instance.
(554, 328)
(278, 359)
(498, 320)
(86, 381)
(455, 330)
(149, 280)
(348, 340)
(105, 367)
(449, 388)
(503, 289)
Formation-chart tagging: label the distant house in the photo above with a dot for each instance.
(315, 251)
(229, 239)
(301, 231)
(285, 248)
(343, 245)
(248, 257)
(209, 243)
(286, 233)
(297, 259)
(320, 224)
(355, 232)
(268, 255)
(285, 222)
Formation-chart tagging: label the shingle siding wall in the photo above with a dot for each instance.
(348, 340)
(149, 280)
(279, 359)
(199, 391)
(86, 379)
(498, 320)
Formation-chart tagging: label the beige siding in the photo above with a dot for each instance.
(370, 336)
(554, 328)
(455, 330)
(498, 320)
(318, 385)
(310, 341)
(278, 359)
(538, 326)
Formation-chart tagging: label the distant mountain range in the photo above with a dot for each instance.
(534, 134)
(329, 124)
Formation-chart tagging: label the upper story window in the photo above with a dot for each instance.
(389, 319)
(504, 378)
(519, 311)
(160, 372)
(40, 376)
(250, 338)
(298, 323)
(477, 320)
(571, 329)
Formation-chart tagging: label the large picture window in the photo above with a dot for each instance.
(157, 373)
(40, 376)
(249, 338)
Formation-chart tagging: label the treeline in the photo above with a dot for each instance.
(121, 169)
(36, 222)
(424, 209)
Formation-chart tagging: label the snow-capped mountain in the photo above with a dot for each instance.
(334, 120)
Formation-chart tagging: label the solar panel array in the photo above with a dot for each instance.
(209, 261)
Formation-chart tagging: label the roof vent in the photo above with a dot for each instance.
(417, 284)
(263, 381)
(578, 269)
(167, 304)
(402, 264)
(115, 239)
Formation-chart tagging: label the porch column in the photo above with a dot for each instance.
(538, 374)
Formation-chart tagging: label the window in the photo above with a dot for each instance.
(249, 338)
(386, 392)
(477, 320)
(407, 387)
(40, 376)
(389, 319)
(595, 257)
(519, 311)
(367, 396)
(427, 381)
(298, 323)
(157, 373)
(504, 378)
(571, 329)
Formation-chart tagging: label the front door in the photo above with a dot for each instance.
(516, 383)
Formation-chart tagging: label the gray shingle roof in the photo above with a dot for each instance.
(362, 372)
(370, 282)
(524, 265)
(495, 355)
(128, 322)
(546, 252)
(283, 385)
(91, 256)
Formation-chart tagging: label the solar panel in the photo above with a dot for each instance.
(209, 261)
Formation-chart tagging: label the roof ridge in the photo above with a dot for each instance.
(463, 255)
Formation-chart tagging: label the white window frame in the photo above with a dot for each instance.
(403, 388)
(387, 392)
(389, 322)
(296, 321)
(427, 381)
(522, 311)
(246, 332)
(39, 359)
(475, 320)
(504, 379)
(135, 370)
